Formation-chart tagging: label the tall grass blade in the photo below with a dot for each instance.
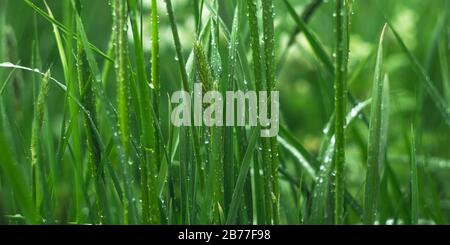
(243, 173)
(185, 83)
(341, 63)
(377, 144)
(269, 55)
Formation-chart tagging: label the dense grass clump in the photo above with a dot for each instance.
(86, 135)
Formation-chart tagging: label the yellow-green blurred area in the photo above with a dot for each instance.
(303, 82)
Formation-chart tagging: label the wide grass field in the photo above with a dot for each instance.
(86, 135)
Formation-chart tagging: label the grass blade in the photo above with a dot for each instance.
(269, 55)
(61, 27)
(376, 145)
(439, 102)
(186, 87)
(340, 104)
(243, 172)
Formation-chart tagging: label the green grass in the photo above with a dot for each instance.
(340, 83)
(90, 140)
(377, 137)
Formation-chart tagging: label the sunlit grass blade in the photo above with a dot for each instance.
(260, 84)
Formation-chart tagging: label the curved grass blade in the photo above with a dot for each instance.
(439, 102)
(64, 29)
(321, 168)
(320, 51)
(314, 41)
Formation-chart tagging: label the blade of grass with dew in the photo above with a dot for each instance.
(67, 64)
(150, 159)
(269, 55)
(123, 86)
(111, 116)
(217, 141)
(228, 153)
(259, 84)
(71, 85)
(87, 98)
(156, 75)
(318, 167)
(155, 79)
(324, 170)
(376, 143)
(123, 83)
(243, 173)
(341, 50)
(186, 87)
(189, 170)
(425, 80)
(414, 178)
